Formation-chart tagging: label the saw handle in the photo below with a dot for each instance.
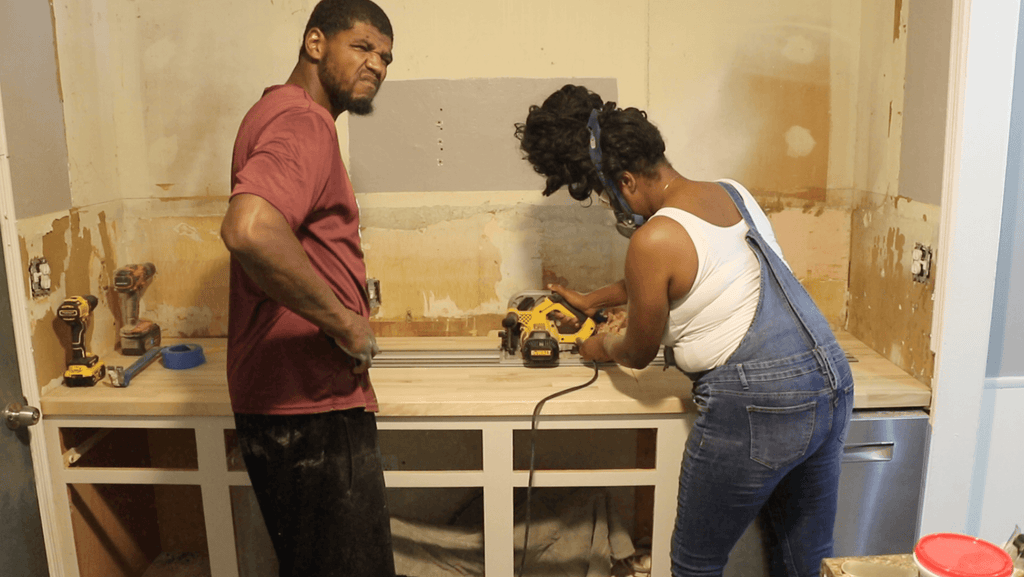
(581, 317)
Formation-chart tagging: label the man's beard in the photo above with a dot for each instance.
(342, 99)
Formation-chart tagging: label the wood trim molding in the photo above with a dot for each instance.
(959, 39)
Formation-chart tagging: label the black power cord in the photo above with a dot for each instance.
(533, 451)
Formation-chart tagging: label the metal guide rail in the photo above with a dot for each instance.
(463, 358)
(411, 359)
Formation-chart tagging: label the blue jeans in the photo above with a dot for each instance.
(756, 444)
(769, 434)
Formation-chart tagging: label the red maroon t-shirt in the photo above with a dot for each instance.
(287, 153)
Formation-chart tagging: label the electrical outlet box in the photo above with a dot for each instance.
(39, 277)
(373, 294)
(921, 264)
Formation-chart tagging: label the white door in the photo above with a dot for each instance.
(23, 553)
(27, 536)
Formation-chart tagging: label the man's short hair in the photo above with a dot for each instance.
(333, 16)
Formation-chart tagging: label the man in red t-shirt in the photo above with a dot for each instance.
(299, 340)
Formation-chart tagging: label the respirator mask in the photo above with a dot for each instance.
(626, 221)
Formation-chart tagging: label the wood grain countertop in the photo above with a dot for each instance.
(876, 566)
(897, 566)
(505, 390)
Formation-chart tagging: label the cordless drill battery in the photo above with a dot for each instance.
(143, 337)
(84, 372)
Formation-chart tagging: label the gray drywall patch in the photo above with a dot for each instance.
(451, 135)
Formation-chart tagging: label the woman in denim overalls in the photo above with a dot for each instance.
(773, 411)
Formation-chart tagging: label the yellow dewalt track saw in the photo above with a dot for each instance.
(540, 325)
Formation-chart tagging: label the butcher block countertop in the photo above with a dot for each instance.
(500, 390)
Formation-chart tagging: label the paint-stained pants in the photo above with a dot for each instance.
(320, 486)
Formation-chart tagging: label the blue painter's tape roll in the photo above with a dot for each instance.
(179, 357)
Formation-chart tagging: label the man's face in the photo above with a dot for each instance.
(353, 66)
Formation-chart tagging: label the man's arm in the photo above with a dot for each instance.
(258, 235)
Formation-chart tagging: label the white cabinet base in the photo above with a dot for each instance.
(497, 477)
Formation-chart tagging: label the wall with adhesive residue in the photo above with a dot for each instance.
(800, 100)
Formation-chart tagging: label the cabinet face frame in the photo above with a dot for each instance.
(212, 477)
(498, 478)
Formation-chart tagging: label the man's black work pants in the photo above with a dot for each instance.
(320, 486)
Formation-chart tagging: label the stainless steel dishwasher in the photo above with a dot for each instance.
(879, 491)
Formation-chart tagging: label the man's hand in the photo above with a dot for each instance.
(359, 343)
(260, 238)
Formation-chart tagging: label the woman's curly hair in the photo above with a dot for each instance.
(556, 141)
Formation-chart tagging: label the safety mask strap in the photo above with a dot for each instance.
(626, 220)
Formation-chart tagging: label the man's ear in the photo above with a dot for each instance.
(314, 43)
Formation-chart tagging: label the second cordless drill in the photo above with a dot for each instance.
(137, 335)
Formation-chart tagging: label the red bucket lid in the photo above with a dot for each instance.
(955, 555)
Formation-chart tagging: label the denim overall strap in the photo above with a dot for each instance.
(784, 304)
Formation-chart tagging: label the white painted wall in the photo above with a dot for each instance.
(998, 473)
(974, 468)
(1005, 355)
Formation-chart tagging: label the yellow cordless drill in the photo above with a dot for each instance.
(84, 370)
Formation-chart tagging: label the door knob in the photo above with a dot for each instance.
(16, 416)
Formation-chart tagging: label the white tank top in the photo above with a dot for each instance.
(706, 326)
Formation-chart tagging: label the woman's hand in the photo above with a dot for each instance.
(593, 349)
(577, 300)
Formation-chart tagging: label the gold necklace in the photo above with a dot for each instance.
(669, 182)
